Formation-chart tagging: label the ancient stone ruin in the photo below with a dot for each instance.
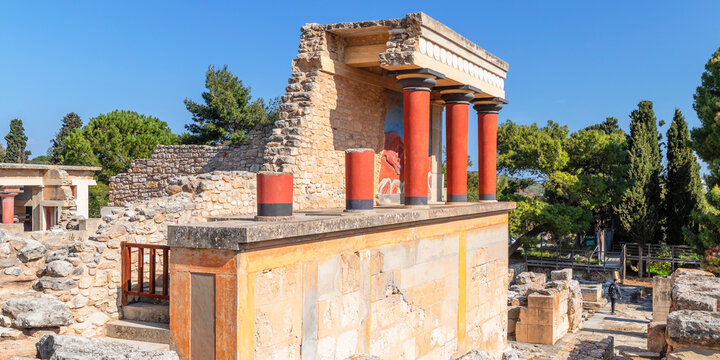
(542, 312)
(688, 327)
(183, 260)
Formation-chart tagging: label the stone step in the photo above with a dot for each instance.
(142, 345)
(139, 331)
(141, 311)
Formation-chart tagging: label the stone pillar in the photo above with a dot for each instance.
(274, 195)
(416, 129)
(359, 178)
(8, 204)
(457, 104)
(487, 110)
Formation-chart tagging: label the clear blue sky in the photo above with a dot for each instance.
(572, 62)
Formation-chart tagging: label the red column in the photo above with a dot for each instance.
(487, 149)
(359, 179)
(274, 195)
(416, 129)
(8, 204)
(457, 106)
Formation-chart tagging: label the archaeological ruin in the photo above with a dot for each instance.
(285, 247)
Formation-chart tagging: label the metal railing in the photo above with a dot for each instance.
(126, 272)
(587, 259)
(672, 254)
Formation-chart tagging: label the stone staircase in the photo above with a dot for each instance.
(145, 322)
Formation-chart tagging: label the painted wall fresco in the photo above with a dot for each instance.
(391, 163)
(391, 178)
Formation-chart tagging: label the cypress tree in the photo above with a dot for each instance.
(684, 187)
(16, 142)
(640, 209)
(70, 122)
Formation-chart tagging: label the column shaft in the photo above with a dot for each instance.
(487, 155)
(8, 209)
(456, 144)
(416, 129)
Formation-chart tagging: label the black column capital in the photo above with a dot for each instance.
(424, 83)
(488, 108)
(457, 97)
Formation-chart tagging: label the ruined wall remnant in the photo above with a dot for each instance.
(542, 312)
(393, 292)
(69, 281)
(693, 321)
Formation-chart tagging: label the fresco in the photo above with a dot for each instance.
(391, 162)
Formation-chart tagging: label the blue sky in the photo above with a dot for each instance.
(572, 62)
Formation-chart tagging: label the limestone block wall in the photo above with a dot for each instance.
(149, 178)
(76, 274)
(431, 291)
(693, 320)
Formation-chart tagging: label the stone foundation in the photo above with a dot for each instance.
(542, 313)
(397, 284)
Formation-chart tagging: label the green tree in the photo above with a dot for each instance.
(706, 138)
(640, 209)
(228, 113)
(70, 122)
(2, 153)
(114, 140)
(16, 142)
(97, 198)
(684, 187)
(42, 159)
(708, 220)
(564, 184)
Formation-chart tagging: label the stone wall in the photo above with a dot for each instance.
(542, 312)
(149, 178)
(397, 293)
(693, 321)
(70, 280)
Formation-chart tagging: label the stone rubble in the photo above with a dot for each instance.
(63, 347)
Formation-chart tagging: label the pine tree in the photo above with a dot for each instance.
(706, 138)
(228, 113)
(640, 209)
(683, 184)
(16, 142)
(70, 122)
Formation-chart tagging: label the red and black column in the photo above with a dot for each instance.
(359, 179)
(416, 131)
(457, 105)
(274, 195)
(8, 204)
(487, 109)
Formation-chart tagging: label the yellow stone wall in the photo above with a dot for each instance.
(427, 291)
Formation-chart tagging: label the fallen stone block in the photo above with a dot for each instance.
(51, 283)
(52, 346)
(530, 278)
(592, 292)
(693, 354)
(33, 250)
(476, 355)
(38, 312)
(693, 329)
(656, 337)
(560, 275)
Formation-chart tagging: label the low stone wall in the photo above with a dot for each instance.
(542, 313)
(70, 280)
(414, 286)
(150, 178)
(693, 321)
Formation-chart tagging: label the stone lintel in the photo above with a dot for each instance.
(243, 233)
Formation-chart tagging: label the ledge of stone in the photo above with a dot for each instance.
(243, 232)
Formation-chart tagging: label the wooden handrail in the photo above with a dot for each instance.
(126, 271)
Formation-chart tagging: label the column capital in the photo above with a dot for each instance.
(457, 96)
(488, 105)
(417, 79)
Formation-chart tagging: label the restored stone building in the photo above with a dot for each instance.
(415, 278)
(40, 197)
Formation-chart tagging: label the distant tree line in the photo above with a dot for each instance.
(113, 140)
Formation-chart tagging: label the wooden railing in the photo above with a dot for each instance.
(126, 251)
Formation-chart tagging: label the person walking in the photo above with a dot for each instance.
(614, 294)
